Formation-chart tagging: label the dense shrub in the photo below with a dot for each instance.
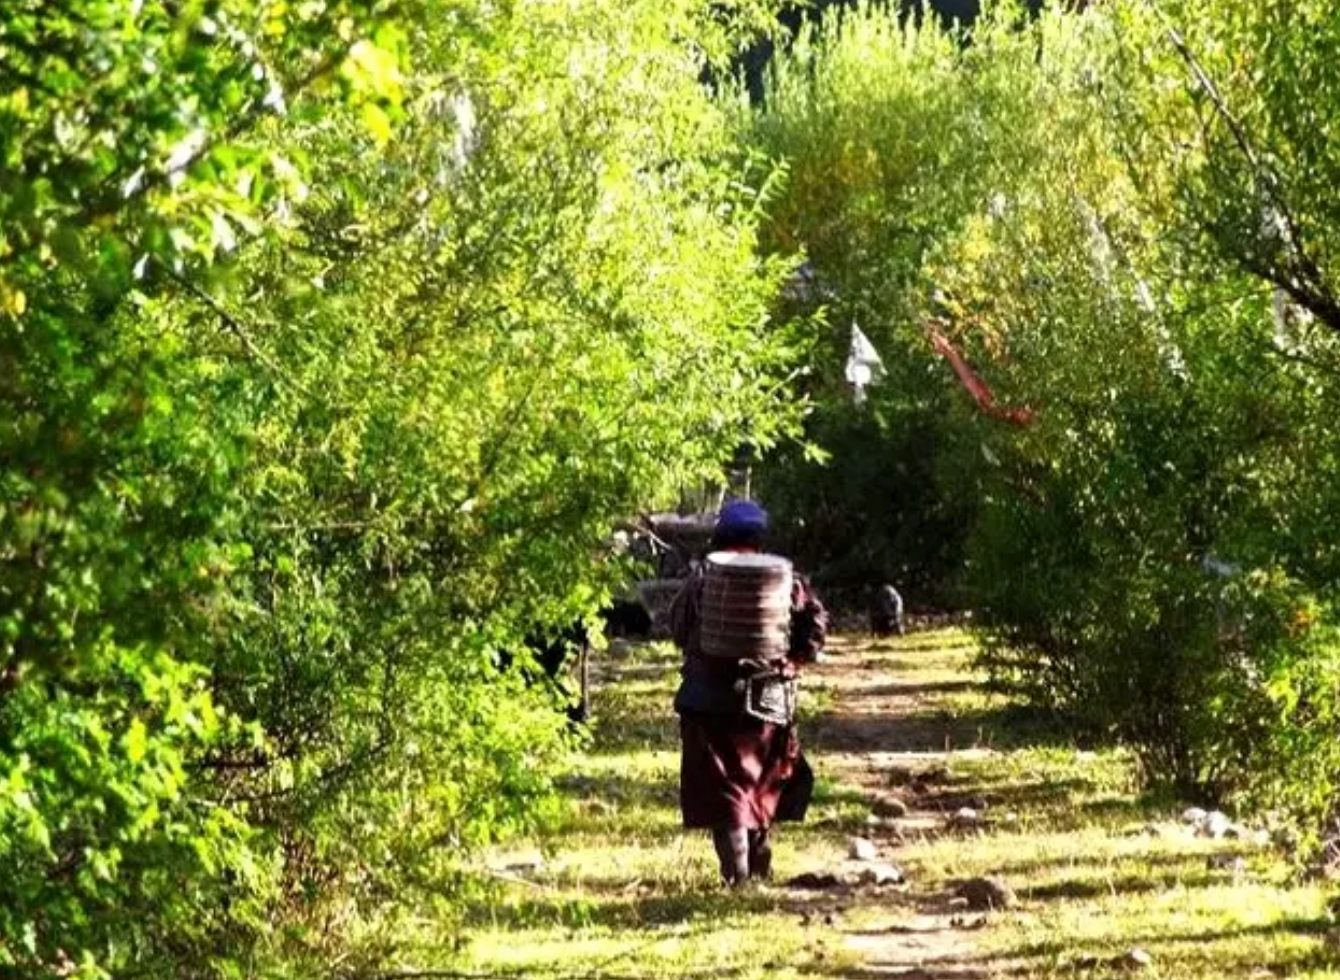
(880, 147)
(306, 414)
(1144, 542)
(1114, 215)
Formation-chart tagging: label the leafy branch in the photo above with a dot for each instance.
(1303, 281)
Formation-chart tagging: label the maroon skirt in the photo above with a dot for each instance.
(736, 771)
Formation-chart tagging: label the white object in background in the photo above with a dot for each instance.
(864, 366)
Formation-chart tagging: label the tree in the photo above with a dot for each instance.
(308, 415)
(1235, 101)
(881, 142)
(1123, 226)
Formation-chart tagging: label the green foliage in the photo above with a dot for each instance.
(307, 414)
(882, 143)
(1221, 107)
(1121, 219)
(1180, 453)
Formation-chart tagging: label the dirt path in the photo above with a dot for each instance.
(618, 886)
(903, 738)
(886, 734)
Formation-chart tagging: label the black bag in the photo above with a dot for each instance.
(761, 693)
(699, 695)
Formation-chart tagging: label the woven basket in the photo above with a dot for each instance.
(746, 606)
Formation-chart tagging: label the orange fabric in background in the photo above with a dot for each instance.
(975, 386)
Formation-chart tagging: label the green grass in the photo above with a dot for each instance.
(1098, 868)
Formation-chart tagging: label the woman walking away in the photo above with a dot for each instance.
(745, 623)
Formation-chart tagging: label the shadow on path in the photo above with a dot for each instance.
(925, 730)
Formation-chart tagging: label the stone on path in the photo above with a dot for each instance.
(1135, 959)
(968, 924)
(965, 817)
(919, 779)
(985, 894)
(814, 881)
(1215, 825)
(862, 849)
(524, 863)
(935, 776)
(889, 806)
(901, 776)
(880, 873)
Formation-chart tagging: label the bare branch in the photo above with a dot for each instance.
(234, 326)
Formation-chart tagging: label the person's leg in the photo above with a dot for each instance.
(760, 853)
(732, 845)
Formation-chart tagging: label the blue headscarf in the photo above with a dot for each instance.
(742, 516)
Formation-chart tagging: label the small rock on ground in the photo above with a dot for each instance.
(889, 806)
(985, 894)
(919, 779)
(880, 873)
(966, 923)
(1215, 826)
(935, 776)
(901, 776)
(814, 881)
(861, 849)
(965, 817)
(1194, 816)
(1135, 959)
(521, 864)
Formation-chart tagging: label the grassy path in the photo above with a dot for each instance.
(618, 890)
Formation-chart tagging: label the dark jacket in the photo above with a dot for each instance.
(717, 685)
